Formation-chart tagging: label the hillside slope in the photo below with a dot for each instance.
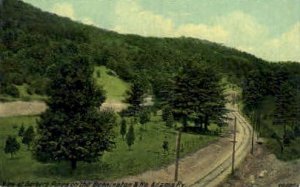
(32, 41)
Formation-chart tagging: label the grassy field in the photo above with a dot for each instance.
(146, 153)
(115, 87)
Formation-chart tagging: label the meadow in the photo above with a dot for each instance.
(147, 153)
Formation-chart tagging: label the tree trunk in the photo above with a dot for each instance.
(11, 155)
(73, 165)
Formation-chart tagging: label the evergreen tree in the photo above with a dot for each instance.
(11, 146)
(253, 90)
(28, 136)
(135, 97)
(21, 130)
(284, 108)
(144, 116)
(73, 128)
(123, 128)
(198, 96)
(130, 137)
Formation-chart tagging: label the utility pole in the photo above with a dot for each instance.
(177, 155)
(234, 142)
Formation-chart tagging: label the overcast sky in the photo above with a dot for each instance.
(269, 29)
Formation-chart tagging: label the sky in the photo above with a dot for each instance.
(269, 29)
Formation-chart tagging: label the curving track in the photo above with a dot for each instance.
(220, 172)
(208, 166)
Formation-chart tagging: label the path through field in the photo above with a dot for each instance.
(208, 166)
(18, 108)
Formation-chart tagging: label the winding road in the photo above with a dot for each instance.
(210, 165)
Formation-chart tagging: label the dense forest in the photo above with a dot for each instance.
(33, 41)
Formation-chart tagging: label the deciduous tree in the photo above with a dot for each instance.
(73, 128)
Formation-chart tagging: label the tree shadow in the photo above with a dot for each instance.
(62, 170)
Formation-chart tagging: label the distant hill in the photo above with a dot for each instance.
(33, 40)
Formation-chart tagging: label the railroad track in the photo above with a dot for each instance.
(218, 173)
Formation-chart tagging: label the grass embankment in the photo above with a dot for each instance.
(270, 131)
(147, 153)
(114, 86)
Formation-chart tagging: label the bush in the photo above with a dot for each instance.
(144, 116)
(16, 78)
(11, 90)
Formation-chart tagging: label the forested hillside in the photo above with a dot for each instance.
(33, 41)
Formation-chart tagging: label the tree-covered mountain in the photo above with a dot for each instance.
(31, 41)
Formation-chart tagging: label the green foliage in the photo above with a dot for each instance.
(11, 145)
(123, 128)
(10, 90)
(130, 137)
(144, 116)
(73, 120)
(198, 96)
(170, 120)
(21, 130)
(138, 160)
(135, 97)
(165, 146)
(166, 112)
(253, 90)
(28, 136)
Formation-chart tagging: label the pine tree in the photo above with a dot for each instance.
(28, 136)
(73, 128)
(144, 116)
(197, 95)
(284, 108)
(21, 130)
(123, 128)
(135, 97)
(11, 146)
(130, 137)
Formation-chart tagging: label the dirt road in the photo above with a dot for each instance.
(208, 166)
(18, 108)
(21, 108)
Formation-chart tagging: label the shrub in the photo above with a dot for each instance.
(11, 90)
